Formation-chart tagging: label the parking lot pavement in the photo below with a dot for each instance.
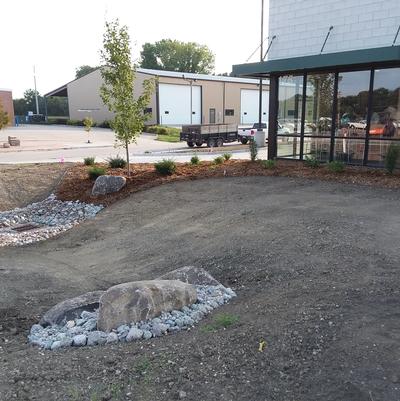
(45, 144)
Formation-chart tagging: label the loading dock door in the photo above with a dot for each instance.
(175, 103)
(249, 106)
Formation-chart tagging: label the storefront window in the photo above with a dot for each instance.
(385, 117)
(319, 104)
(352, 106)
(290, 105)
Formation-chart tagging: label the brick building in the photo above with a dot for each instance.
(7, 102)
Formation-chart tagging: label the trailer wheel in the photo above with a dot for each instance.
(198, 144)
(220, 142)
(210, 143)
(190, 144)
(244, 140)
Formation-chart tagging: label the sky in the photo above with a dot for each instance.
(58, 36)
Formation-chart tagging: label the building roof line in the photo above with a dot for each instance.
(170, 74)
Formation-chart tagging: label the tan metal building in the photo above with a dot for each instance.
(179, 98)
(6, 101)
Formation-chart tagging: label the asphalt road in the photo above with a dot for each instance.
(49, 144)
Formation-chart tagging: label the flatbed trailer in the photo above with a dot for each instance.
(210, 134)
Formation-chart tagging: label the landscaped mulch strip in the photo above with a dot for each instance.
(76, 185)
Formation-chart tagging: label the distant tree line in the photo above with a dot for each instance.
(56, 106)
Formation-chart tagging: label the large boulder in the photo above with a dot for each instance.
(191, 275)
(141, 300)
(71, 308)
(107, 184)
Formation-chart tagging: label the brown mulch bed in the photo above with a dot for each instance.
(76, 185)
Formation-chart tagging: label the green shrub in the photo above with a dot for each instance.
(116, 162)
(268, 164)
(165, 167)
(95, 172)
(392, 157)
(161, 131)
(219, 160)
(57, 120)
(336, 166)
(77, 123)
(105, 124)
(253, 149)
(227, 156)
(150, 129)
(311, 162)
(222, 321)
(89, 161)
(88, 123)
(195, 160)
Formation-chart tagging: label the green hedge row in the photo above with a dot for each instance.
(160, 130)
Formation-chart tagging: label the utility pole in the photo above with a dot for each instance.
(36, 96)
(261, 60)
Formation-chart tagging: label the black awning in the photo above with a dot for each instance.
(348, 59)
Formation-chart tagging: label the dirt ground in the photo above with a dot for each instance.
(315, 265)
(77, 185)
(23, 184)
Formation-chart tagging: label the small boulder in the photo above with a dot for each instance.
(96, 338)
(192, 275)
(134, 334)
(107, 184)
(112, 338)
(142, 300)
(71, 309)
(79, 340)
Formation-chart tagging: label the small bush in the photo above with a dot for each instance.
(57, 120)
(105, 124)
(311, 162)
(336, 166)
(227, 156)
(253, 149)
(268, 164)
(116, 162)
(165, 167)
(222, 321)
(161, 131)
(195, 160)
(392, 156)
(77, 123)
(88, 123)
(95, 172)
(219, 160)
(89, 161)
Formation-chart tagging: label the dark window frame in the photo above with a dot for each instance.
(273, 134)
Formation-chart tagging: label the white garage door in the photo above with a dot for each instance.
(249, 106)
(175, 104)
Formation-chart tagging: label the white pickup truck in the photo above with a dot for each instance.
(244, 134)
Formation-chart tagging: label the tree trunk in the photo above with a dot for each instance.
(127, 157)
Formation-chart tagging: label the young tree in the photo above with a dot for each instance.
(173, 55)
(4, 119)
(118, 74)
(88, 123)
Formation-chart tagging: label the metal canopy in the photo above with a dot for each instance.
(348, 59)
(62, 91)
